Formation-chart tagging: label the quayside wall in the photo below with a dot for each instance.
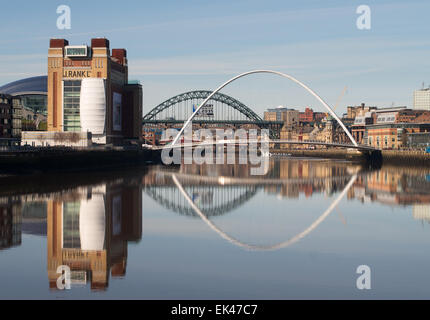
(406, 157)
(392, 157)
(71, 159)
(373, 158)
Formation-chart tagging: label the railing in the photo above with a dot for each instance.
(280, 141)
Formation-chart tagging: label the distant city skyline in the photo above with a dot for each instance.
(175, 47)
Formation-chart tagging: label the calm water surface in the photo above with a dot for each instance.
(217, 232)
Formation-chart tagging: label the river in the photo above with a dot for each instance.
(299, 231)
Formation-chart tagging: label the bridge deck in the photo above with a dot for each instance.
(244, 143)
(209, 121)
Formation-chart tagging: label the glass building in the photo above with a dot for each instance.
(32, 91)
(37, 103)
(72, 91)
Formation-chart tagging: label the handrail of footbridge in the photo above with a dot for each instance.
(246, 142)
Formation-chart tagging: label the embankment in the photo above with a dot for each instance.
(36, 160)
(322, 153)
(406, 157)
(392, 157)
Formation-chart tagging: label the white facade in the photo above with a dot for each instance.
(386, 117)
(422, 99)
(92, 223)
(421, 212)
(93, 106)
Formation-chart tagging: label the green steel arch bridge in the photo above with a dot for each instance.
(223, 111)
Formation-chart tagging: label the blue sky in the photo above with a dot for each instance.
(176, 46)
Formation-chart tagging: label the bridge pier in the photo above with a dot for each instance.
(373, 158)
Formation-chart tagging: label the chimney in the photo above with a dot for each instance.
(100, 43)
(58, 43)
(119, 55)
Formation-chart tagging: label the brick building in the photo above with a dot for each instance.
(290, 117)
(392, 135)
(10, 120)
(307, 116)
(88, 90)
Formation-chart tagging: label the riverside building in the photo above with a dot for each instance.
(422, 99)
(10, 120)
(89, 92)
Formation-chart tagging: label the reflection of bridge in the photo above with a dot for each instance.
(224, 110)
(198, 180)
(277, 246)
(217, 195)
(214, 200)
(209, 190)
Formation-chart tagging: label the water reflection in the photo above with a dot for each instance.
(212, 190)
(10, 222)
(216, 189)
(219, 189)
(88, 231)
(88, 220)
(88, 228)
(396, 186)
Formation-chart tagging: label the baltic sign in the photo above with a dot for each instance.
(77, 73)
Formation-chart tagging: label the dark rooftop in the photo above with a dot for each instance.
(33, 85)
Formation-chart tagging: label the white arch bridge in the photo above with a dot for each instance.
(309, 90)
(371, 154)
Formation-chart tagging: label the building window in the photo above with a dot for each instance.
(71, 233)
(72, 93)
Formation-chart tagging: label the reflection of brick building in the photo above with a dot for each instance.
(316, 173)
(421, 212)
(90, 235)
(394, 186)
(10, 223)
